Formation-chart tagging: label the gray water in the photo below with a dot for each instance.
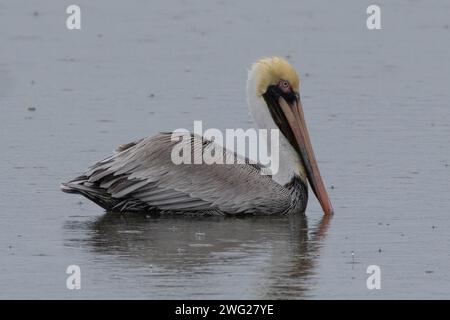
(377, 107)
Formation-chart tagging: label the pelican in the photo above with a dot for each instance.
(140, 176)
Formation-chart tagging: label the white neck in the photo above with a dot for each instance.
(290, 163)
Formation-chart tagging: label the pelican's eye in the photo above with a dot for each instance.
(284, 86)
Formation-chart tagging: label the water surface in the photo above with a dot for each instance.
(377, 107)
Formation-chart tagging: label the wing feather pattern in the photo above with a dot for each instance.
(141, 176)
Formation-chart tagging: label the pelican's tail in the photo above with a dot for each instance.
(81, 185)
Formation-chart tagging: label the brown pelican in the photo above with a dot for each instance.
(141, 176)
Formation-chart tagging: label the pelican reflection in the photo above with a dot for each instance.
(228, 257)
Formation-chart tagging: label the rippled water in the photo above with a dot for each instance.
(203, 258)
(377, 107)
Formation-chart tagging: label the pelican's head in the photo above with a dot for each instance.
(273, 92)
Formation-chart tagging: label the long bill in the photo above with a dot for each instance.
(296, 120)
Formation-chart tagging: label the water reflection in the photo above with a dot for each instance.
(273, 257)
